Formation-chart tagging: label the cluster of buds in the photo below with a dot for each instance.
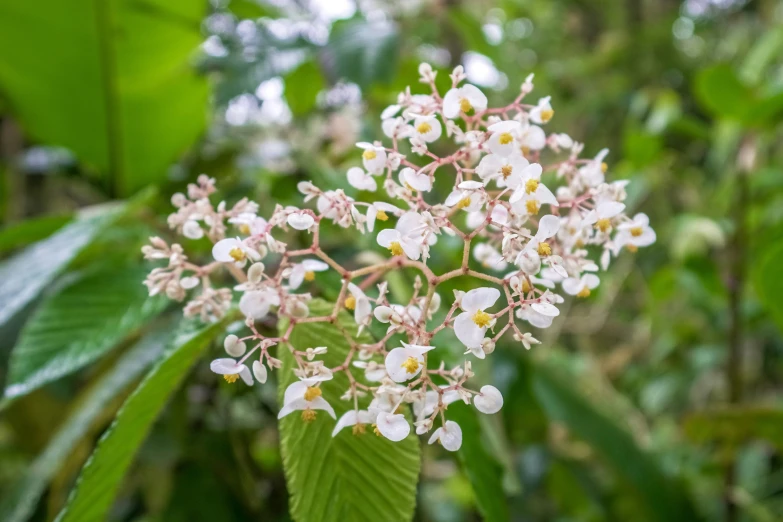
(528, 228)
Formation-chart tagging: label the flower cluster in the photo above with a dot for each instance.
(529, 226)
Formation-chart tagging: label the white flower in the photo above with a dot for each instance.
(373, 157)
(234, 250)
(305, 271)
(360, 304)
(536, 247)
(390, 111)
(489, 400)
(505, 170)
(192, 230)
(373, 371)
(489, 257)
(542, 112)
(379, 211)
(233, 346)
(231, 370)
(416, 180)
(539, 315)
(463, 99)
(637, 233)
(300, 220)
(249, 223)
(449, 436)
(305, 395)
(426, 407)
(503, 141)
(259, 371)
(405, 237)
(356, 418)
(602, 215)
(359, 179)
(427, 128)
(530, 191)
(593, 173)
(392, 426)
(255, 304)
(531, 137)
(405, 363)
(471, 325)
(581, 286)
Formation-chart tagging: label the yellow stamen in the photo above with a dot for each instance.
(382, 216)
(579, 243)
(463, 203)
(423, 127)
(350, 302)
(369, 154)
(506, 170)
(311, 393)
(482, 318)
(603, 224)
(358, 429)
(407, 186)
(309, 276)
(237, 254)
(531, 185)
(308, 415)
(525, 150)
(396, 248)
(532, 206)
(505, 138)
(547, 114)
(464, 105)
(231, 378)
(544, 249)
(244, 228)
(525, 286)
(604, 167)
(636, 231)
(632, 248)
(584, 292)
(411, 364)
(376, 430)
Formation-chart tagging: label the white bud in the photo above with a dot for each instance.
(255, 273)
(489, 400)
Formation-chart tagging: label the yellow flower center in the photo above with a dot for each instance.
(350, 302)
(506, 170)
(244, 228)
(532, 206)
(464, 105)
(423, 127)
(396, 248)
(525, 150)
(584, 292)
(382, 216)
(237, 254)
(544, 249)
(636, 231)
(482, 319)
(309, 276)
(311, 393)
(632, 248)
(531, 186)
(603, 224)
(526, 286)
(231, 378)
(308, 415)
(411, 364)
(604, 167)
(376, 430)
(579, 243)
(358, 429)
(463, 203)
(547, 114)
(369, 154)
(505, 138)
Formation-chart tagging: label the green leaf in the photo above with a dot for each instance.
(364, 52)
(721, 92)
(469, 29)
(78, 324)
(101, 476)
(109, 80)
(21, 234)
(483, 471)
(302, 86)
(767, 281)
(765, 50)
(337, 479)
(23, 276)
(663, 497)
(20, 501)
(733, 427)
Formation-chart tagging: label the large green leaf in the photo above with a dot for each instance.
(721, 92)
(24, 276)
(101, 476)
(302, 86)
(362, 51)
(484, 472)
(110, 80)
(663, 498)
(767, 281)
(21, 234)
(78, 324)
(20, 501)
(733, 427)
(345, 478)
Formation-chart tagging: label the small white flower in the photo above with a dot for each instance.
(255, 304)
(231, 370)
(489, 400)
(489, 257)
(506, 171)
(259, 371)
(234, 250)
(580, 286)
(405, 363)
(300, 221)
(637, 233)
(360, 304)
(233, 346)
(471, 325)
(427, 128)
(373, 157)
(353, 418)
(192, 230)
(531, 137)
(449, 436)
(378, 211)
(305, 395)
(503, 141)
(542, 112)
(361, 180)
(305, 271)
(602, 215)
(392, 426)
(403, 238)
(416, 180)
(463, 100)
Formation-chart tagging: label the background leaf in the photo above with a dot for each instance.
(302, 86)
(767, 281)
(29, 231)
(364, 52)
(78, 324)
(345, 478)
(721, 92)
(101, 476)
